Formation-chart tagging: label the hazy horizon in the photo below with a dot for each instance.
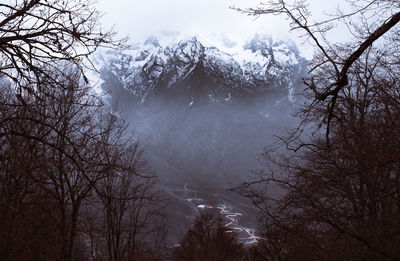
(207, 19)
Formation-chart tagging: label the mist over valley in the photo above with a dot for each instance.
(204, 115)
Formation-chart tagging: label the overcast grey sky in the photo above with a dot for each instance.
(207, 18)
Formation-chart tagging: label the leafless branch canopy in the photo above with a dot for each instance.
(368, 21)
(35, 35)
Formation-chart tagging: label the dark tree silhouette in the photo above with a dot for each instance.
(35, 35)
(60, 147)
(331, 65)
(336, 191)
(209, 240)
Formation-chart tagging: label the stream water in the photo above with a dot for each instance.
(231, 215)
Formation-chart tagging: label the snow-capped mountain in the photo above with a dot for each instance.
(204, 111)
(198, 69)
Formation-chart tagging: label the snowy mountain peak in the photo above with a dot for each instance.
(191, 67)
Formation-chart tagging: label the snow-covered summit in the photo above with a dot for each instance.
(258, 66)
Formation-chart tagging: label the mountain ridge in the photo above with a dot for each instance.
(210, 72)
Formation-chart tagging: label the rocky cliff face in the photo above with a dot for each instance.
(191, 68)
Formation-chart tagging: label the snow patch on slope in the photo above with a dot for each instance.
(258, 65)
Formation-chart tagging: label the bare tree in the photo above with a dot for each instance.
(366, 21)
(70, 142)
(210, 240)
(24, 230)
(128, 202)
(336, 192)
(73, 144)
(345, 193)
(37, 34)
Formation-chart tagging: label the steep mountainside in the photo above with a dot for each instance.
(204, 113)
(188, 67)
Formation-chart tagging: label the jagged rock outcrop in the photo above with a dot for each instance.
(189, 67)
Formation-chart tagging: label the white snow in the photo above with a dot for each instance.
(229, 58)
